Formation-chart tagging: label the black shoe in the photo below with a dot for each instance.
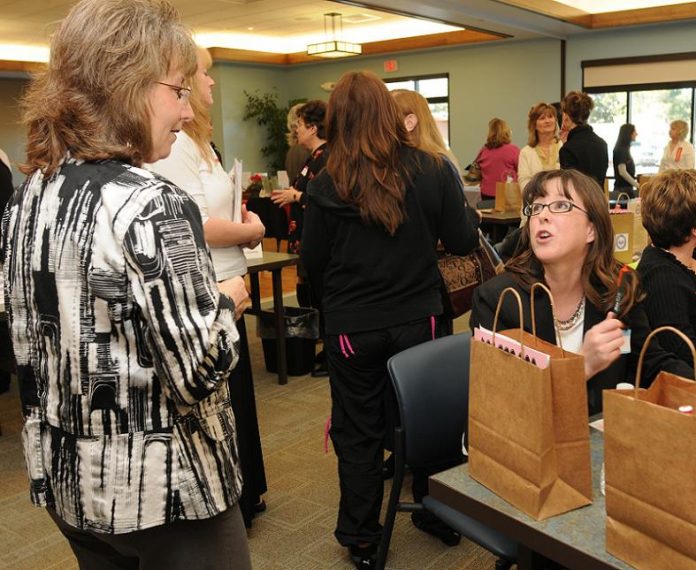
(260, 507)
(321, 369)
(429, 523)
(364, 557)
(388, 467)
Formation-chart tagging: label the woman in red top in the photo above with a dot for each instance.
(498, 158)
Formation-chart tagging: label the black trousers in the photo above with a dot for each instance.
(360, 387)
(217, 543)
(243, 398)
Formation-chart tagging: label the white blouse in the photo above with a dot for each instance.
(679, 158)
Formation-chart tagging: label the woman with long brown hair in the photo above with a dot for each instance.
(568, 245)
(373, 219)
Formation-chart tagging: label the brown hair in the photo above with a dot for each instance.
(535, 113)
(599, 268)
(498, 133)
(682, 128)
(365, 132)
(668, 204)
(577, 106)
(199, 128)
(425, 136)
(92, 100)
(313, 113)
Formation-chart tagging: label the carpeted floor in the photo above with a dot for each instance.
(296, 531)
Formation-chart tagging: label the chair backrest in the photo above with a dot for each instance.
(431, 381)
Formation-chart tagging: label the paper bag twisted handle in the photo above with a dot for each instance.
(618, 199)
(559, 341)
(676, 331)
(519, 308)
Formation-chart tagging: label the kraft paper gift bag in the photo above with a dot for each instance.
(650, 471)
(623, 224)
(508, 197)
(640, 234)
(528, 432)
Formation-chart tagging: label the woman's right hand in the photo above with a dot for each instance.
(255, 225)
(602, 345)
(235, 289)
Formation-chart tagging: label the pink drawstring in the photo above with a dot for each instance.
(343, 347)
(345, 336)
(432, 326)
(327, 429)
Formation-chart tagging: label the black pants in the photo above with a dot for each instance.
(242, 396)
(217, 543)
(359, 388)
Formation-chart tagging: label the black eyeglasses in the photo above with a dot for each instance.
(182, 93)
(557, 207)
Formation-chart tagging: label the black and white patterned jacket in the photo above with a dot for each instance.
(123, 346)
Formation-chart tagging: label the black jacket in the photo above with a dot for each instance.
(621, 370)
(671, 300)
(587, 152)
(368, 279)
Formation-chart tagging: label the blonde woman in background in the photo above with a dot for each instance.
(498, 158)
(194, 167)
(679, 153)
(541, 152)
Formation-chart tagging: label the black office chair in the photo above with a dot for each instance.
(431, 381)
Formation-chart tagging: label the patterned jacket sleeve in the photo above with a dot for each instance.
(193, 338)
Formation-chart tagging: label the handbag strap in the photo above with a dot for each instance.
(519, 308)
(676, 331)
(559, 341)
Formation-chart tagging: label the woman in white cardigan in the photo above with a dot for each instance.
(541, 152)
(679, 153)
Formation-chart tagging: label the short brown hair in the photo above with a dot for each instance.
(499, 133)
(313, 113)
(535, 113)
(577, 106)
(668, 206)
(92, 100)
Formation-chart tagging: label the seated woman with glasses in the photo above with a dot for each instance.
(568, 245)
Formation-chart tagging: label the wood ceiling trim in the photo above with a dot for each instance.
(446, 39)
(645, 16)
(21, 66)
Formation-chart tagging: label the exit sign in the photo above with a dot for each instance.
(391, 65)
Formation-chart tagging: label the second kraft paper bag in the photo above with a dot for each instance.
(528, 430)
(650, 468)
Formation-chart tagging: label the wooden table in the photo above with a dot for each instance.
(273, 262)
(575, 539)
(499, 223)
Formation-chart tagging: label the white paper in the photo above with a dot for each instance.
(236, 176)
(253, 253)
(283, 180)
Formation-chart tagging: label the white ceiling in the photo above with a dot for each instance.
(287, 26)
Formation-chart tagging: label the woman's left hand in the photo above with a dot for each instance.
(285, 196)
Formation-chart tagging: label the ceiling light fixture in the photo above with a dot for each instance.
(335, 46)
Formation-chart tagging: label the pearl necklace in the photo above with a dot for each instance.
(574, 318)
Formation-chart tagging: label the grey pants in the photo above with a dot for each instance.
(217, 543)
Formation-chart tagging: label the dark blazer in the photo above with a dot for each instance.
(585, 151)
(621, 370)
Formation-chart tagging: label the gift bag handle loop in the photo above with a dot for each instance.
(559, 342)
(685, 338)
(618, 199)
(519, 308)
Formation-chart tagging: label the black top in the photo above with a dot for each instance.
(621, 370)
(587, 152)
(671, 300)
(315, 162)
(622, 155)
(371, 280)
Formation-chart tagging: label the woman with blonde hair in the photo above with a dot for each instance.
(498, 159)
(679, 153)
(543, 144)
(373, 219)
(297, 154)
(123, 339)
(419, 122)
(194, 167)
